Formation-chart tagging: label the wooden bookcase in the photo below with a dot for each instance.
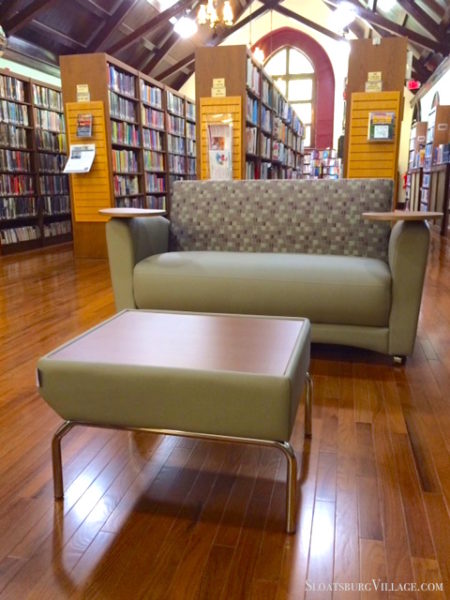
(34, 195)
(438, 132)
(415, 164)
(269, 133)
(147, 136)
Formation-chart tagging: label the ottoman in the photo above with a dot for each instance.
(234, 378)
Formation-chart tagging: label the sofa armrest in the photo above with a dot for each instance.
(408, 252)
(129, 241)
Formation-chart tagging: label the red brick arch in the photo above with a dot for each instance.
(324, 108)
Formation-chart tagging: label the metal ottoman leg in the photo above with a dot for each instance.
(308, 405)
(291, 484)
(56, 459)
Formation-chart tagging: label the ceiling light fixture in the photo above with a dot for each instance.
(343, 16)
(209, 15)
(185, 27)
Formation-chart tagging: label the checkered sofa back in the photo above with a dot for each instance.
(304, 216)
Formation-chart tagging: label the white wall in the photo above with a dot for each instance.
(315, 10)
(443, 87)
(29, 72)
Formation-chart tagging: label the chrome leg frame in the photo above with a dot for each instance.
(308, 405)
(58, 485)
(285, 447)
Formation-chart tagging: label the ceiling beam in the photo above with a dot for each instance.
(109, 26)
(23, 17)
(8, 9)
(153, 24)
(157, 57)
(421, 17)
(94, 8)
(391, 27)
(64, 39)
(435, 7)
(289, 13)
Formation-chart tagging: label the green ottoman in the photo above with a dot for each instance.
(225, 377)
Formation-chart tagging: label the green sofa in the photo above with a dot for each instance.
(289, 248)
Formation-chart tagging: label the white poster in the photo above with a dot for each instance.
(220, 151)
(80, 159)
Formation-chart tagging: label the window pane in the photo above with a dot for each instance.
(281, 85)
(303, 110)
(298, 63)
(277, 64)
(307, 136)
(300, 89)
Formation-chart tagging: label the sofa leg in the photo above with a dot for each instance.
(291, 484)
(58, 485)
(399, 360)
(308, 405)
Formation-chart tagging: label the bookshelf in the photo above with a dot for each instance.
(416, 161)
(149, 141)
(438, 133)
(34, 194)
(268, 143)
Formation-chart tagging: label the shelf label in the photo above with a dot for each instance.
(218, 92)
(373, 86)
(83, 94)
(219, 83)
(374, 76)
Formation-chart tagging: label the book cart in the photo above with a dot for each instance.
(34, 194)
(144, 134)
(268, 141)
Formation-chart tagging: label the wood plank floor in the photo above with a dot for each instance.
(171, 518)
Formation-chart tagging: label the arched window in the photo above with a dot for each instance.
(293, 73)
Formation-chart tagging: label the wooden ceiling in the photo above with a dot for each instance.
(136, 32)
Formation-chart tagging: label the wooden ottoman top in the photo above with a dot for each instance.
(188, 371)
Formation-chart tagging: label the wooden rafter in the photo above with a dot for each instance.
(153, 24)
(19, 20)
(421, 17)
(94, 8)
(435, 7)
(110, 25)
(291, 14)
(158, 56)
(391, 27)
(8, 9)
(64, 39)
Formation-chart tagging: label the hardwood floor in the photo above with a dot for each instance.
(160, 517)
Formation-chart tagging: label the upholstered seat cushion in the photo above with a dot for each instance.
(345, 290)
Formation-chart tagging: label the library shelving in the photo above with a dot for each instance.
(322, 164)
(34, 194)
(268, 143)
(416, 161)
(147, 141)
(438, 133)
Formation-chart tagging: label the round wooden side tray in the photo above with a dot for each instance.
(127, 213)
(402, 215)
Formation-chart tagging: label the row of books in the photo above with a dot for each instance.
(266, 92)
(124, 133)
(151, 94)
(50, 141)
(10, 112)
(175, 125)
(190, 110)
(253, 77)
(48, 98)
(19, 234)
(177, 163)
(14, 160)
(121, 108)
(265, 146)
(50, 120)
(266, 119)
(54, 184)
(125, 161)
(153, 161)
(56, 205)
(155, 183)
(252, 137)
(121, 82)
(176, 144)
(190, 131)
(191, 166)
(53, 163)
(153, 139)
(252, 110)
(158, 202)
(125, 184)
(15, 184)
(175, 104)
(14, 208)
(191, 147)
(13, 136)
(57, 228)
(12, 88)
(152, 118)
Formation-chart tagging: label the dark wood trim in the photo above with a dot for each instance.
(421, 17)
(110, 25)
(160, 53)
(24, 16)
(291, 14)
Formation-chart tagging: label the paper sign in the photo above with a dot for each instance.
(83, 94)
(442, 126)
(80, 159)
(373, 86)
(374, 76)
(220, 151)
(219, 83)
(84, 125)
(218, 92)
